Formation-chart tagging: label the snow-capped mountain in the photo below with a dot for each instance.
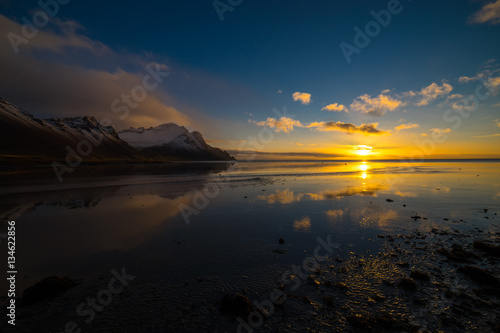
(172, 140)
(24, 138)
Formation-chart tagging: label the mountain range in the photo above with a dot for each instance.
(25, 138)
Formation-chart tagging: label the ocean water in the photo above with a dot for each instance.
(176, 228)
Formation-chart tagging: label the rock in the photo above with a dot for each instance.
(419, 275)
(282, 241)
(280, 251)
(489, 249)
(389, 200)
(457, 254)
(415, 217)
(48, 288)
(329, 301)
(480, 276)
(236, 305)
(408, 284)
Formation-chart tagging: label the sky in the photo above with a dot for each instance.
(268, 79)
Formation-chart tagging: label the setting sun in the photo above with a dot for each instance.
(363, 150)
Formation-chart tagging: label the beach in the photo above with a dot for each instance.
(347, 246)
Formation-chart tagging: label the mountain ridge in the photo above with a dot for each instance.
(25, 138)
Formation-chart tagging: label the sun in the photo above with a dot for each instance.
(363, 150)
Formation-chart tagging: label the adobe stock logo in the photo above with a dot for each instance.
(372, 29)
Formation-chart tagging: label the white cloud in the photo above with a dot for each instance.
(335, 107)
(304, 98)
(376, 106)
(490, 13)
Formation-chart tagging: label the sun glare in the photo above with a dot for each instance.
(364, 167)
(363, 150)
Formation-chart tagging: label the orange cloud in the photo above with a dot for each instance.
(376, 106)
(284, 124)
(335, 214)
(406, 126)
(366, 129)
(440, 131)
(335, 107)
(433, 91)
(486, 136)
(489, 13)
(303, 224)
(304, 98)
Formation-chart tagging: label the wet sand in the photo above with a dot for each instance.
(403, 257)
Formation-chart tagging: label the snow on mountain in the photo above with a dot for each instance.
(172, 140)
(154, 136)
(24, 136)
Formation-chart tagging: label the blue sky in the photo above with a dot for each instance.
(225, 75)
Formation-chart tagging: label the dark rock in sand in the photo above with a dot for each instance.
(480, 276)
(415, 217)
(282, 241)
(236, 305)
(489, 249)
(419, 275)
(329, 301)
(408, 284)
(389, 200)
(47, 288)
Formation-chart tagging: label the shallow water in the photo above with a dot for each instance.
(90, 225)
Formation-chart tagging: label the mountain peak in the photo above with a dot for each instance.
(172, 139)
